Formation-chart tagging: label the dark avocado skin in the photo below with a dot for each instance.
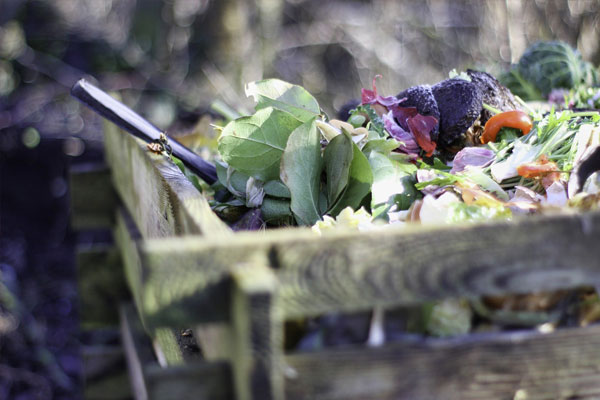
(460, 102)
(422, 98)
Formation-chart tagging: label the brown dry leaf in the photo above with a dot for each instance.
(542, 301)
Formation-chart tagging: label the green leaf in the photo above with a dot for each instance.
(375, 121)
(445, 180)
(233, 180)
(254, 145)
(337, 157)
(277, 189)
(275, 209)
(285, 96)
(384, 146)
(390, 179)
(359, 183)
(301, 167)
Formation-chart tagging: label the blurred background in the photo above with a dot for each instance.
(170, 60)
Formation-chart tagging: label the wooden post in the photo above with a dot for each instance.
(257, 358)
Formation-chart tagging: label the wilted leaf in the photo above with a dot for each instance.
(254, 145)
(337, 157)
(277, 189)
(301, 167)
(285, 96)
(360, 179)
(389, 179)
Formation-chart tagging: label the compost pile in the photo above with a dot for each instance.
(462, 150)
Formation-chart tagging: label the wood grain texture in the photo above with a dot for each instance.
(127, 240)
(521, 365)
(93, 199)
(191, 381)
(356, 271)
(138, 351)
(101, 285)
(257, 327)
(162, 201)
(166, 345)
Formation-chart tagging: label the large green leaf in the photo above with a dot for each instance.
(301, 167)
(285, 96)
(359, 182)
(254, 145)
(390, 180)
(337, 158)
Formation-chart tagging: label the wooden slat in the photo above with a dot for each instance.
(162, 201)
(165, 344)
(128, 239)
(355, 271)
(101, 285)
(257, 327)
(93, 199)
(521, 365)
(138, 351)
(194, 380)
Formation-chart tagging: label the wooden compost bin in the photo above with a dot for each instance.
(186, 268)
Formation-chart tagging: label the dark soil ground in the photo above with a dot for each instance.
(40, 342)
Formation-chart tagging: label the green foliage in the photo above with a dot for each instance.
(301, 167)
(375, 122)
(254, 145)
(545, 66)
(518, 85)
(360, 179)
(277, 189)
(392, 180)
(444, 180)
(284, 96)
(337, 157)
(462, 212)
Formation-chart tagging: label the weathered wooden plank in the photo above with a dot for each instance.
(126, 238)
(520, 365)
(215, 340)
(138, 351)
(128, 241)
(354, 271)
(93, 199)
(194, 380)
(166, 347)
(257, 327)
(162, 201)
(101, 285)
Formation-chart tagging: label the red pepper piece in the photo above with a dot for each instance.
(539, 168)
(509, 119)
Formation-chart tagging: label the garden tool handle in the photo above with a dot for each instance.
(127, 119)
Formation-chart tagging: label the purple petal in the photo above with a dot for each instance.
(409, 145)
(368, 96)
(476, 156)
(402, 114)
(388, 101)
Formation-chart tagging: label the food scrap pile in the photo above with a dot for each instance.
(462, 150)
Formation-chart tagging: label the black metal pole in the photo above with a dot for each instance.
(123, 116)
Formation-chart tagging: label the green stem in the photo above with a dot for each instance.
(491, 109)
